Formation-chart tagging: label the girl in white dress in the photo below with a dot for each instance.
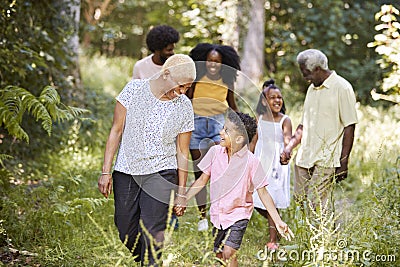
(273, 133)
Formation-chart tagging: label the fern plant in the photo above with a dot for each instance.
(47, 108)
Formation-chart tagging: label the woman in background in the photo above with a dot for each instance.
(212, 94)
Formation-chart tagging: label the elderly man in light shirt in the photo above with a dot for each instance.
(326, 131)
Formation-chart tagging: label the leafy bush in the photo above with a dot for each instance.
(387, 44)
(15, 101)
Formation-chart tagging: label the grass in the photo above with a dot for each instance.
(51, 213)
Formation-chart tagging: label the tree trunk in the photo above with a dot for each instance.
(77, 94)
(253, 48)
(93, 11)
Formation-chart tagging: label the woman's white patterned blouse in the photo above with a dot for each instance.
(148, 142)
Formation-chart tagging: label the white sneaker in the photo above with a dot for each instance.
(202, 225)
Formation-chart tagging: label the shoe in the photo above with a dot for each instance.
(202, 225)
(272, 246)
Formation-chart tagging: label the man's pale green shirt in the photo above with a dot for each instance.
(328, 109)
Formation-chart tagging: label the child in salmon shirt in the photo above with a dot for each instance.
(234, 173)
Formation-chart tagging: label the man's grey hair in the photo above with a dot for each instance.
(313, 58)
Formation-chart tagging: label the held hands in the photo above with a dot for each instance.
(285, 156)
(284, 231)
(180, 204)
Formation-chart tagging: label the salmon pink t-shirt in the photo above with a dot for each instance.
(145, 68)
(232, 184)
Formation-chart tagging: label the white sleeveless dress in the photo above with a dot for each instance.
(268, 149)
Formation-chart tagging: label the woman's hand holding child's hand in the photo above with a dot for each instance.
(180, 205)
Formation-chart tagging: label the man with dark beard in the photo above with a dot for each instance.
(161, 42)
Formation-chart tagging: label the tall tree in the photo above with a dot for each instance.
(253, 48)
(72, 11)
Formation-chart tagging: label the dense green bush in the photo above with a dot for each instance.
(36, 64)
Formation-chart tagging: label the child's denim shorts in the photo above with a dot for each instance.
(206, 131)
(232, 236)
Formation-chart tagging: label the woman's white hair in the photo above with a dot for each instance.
(181, 67)
(312, 58)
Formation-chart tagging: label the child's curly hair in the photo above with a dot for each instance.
(245, 124)
(160, 37)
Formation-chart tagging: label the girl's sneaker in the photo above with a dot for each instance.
(202, 225)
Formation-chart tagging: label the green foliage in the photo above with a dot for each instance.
(16, 101)
(4, 157)
(36, 80)
(342, 29)
(206, 21)
(124, 33)
(64, 203)
(102, 88)
(34, 44)
(387, 44)
(105, 76)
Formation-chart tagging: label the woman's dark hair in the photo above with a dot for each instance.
(230, 61)
(270, 84)
(160, 37)
(245, 124)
